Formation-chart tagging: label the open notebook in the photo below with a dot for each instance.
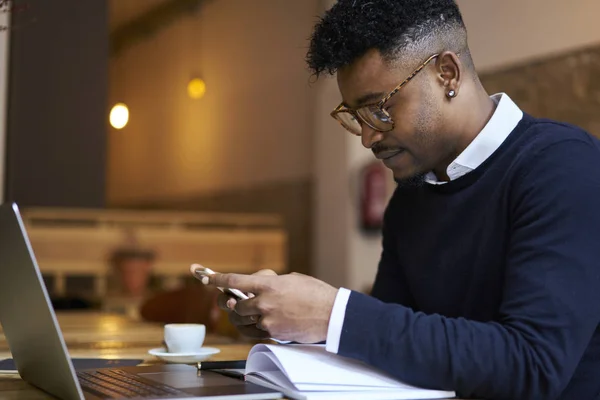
(311, 372)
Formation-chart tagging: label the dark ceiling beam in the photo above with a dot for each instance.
(150, 23)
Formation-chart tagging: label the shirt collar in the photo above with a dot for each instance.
(503, 121)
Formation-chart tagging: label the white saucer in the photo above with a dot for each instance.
(184, 358)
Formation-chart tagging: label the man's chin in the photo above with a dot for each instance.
(410, 181)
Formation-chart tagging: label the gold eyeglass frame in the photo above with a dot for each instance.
(342, 108)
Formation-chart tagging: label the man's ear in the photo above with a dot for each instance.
(449, 72)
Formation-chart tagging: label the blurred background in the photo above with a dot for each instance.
(140, 136)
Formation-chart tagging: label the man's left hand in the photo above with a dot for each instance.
(291, 307)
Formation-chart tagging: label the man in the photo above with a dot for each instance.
(489, 279)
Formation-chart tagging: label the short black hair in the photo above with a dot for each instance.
(351, 28)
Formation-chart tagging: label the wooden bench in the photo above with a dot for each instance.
(76, 242)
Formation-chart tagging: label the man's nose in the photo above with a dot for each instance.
(370, 136)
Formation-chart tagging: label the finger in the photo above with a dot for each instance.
(253, 332)
(239, 320)
(226, 302)
(265, 272)
(264, 324)
(259, 325)
(248, 307)
(246, 283)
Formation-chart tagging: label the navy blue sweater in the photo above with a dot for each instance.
(490, 284)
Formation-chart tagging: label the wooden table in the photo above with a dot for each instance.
(110, 332)
(98, 335)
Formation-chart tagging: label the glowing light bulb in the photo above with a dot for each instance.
(196, 88)
(119, 116)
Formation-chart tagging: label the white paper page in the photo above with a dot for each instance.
(266, 365)
(261, 358)
(378, 395)
(278, 378)
(312, 387)
(312, 364)
(311, 369)
(396, 394)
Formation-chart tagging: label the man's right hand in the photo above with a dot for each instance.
(246, 325)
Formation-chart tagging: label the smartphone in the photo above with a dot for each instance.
(199, 272)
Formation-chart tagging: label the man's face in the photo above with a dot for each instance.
(418, 143)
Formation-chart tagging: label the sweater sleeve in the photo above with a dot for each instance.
(551, 300)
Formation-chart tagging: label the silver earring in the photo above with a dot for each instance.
(452, 94)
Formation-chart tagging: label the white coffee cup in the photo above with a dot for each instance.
(184, 338)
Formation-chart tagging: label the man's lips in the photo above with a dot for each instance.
(385, 154)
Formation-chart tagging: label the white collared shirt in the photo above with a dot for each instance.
(503, 121)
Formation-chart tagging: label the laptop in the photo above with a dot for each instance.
(40, 353)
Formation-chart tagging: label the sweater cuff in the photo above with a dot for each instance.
(336, 320)
(367, 327)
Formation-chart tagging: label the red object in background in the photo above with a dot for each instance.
(373, 196)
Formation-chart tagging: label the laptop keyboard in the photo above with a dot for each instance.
(117, 384)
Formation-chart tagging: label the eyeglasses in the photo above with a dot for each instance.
(374, 115)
